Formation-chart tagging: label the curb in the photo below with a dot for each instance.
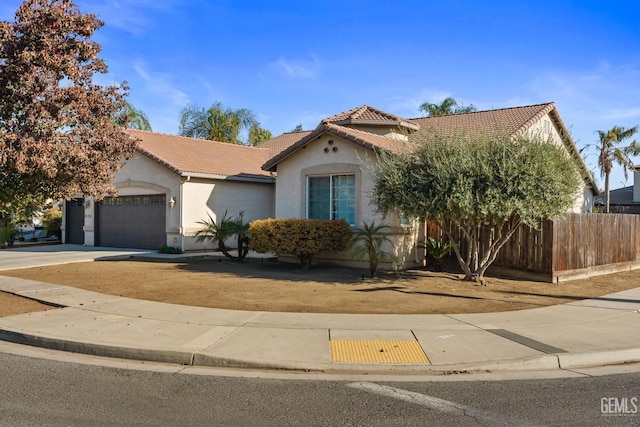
(599, 358)
(94, 349)
(564, 361)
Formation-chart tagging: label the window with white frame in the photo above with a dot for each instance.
(332, 197)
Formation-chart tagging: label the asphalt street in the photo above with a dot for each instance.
(38, 391)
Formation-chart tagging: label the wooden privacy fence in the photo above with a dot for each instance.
(579, 246)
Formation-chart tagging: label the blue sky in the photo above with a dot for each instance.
(300, 61)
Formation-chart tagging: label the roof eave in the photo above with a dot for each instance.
(158, 160)
(566, 137)
(271, 164)
(201, 175)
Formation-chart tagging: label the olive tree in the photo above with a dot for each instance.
(494, 182)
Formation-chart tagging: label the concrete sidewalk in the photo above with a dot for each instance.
(600, 331)
(30, 256)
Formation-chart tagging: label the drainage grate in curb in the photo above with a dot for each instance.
(528, 342)
(377, 351)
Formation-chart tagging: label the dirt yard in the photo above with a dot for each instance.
(270, 286)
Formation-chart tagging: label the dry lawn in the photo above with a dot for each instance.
(271, 286)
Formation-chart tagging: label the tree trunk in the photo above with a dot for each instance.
(606, 191)
(456, 249)
(224, 250)
(373, 267)
(477, 263)
(499, 241)
(243, 246)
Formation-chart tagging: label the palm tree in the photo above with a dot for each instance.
(368, 240)
(258, 134)
(446, 107)
(611, 152)
(226, 229)
(135, 119)
(216, 123)
(216, 232)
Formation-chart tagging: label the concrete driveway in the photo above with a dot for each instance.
(36, 256)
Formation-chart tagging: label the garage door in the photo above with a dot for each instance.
(74, 213)
(132, 222)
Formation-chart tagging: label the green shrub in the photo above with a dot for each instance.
(165, 249)
(7, 233)
(52, 222)
(303, 238)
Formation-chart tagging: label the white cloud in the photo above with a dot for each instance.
(605, 92)
(623, 114)
(159, 84)
(593, 99)
(128, 15)
(297, 68)
(158, 96)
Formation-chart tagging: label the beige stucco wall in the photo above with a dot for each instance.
(546, 130)
(140, 176)
(340, 157)
(320, 158)
(202, 198)
(194, 198)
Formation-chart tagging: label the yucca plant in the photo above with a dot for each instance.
(368, 241)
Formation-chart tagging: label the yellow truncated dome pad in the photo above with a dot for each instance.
(377, 351)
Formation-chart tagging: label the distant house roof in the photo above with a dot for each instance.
(202, 158)
(619, 196)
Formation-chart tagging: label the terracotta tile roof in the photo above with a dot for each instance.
(513, 121)
(510, 121)
(280, 143)
(369, 115)
(189, 156)
(364, 139)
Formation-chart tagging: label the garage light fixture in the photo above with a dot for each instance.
(86, 203)
(172, 202)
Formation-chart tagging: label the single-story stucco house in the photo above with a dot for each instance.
(169, 185)
(173, 182)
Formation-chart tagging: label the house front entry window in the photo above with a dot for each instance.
(332, 197)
